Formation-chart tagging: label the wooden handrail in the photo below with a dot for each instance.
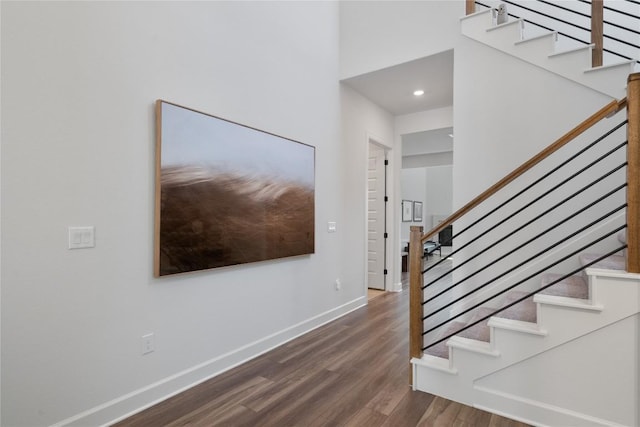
(607, 111)
(633, 173)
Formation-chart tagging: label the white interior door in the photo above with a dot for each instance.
(376, 218)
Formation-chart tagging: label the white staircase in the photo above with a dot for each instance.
(568, 357)
(543, 49)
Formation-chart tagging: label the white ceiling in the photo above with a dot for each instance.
(392, 88)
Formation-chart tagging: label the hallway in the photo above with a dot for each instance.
(351, 372)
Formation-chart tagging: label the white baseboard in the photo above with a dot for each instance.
(533, 412)
(138, 400)
(396, 287)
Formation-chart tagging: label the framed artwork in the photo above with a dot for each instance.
(407, 211)
(227, 193)
(417, 211)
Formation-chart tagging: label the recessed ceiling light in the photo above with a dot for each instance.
(419, 92)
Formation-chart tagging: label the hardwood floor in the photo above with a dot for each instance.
(351, 372)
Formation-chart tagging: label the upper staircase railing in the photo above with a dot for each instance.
(610, 27)
(548, 213)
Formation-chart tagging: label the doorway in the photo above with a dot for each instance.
(376, 217)
(426, 176)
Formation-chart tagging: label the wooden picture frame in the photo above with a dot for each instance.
(227, 193)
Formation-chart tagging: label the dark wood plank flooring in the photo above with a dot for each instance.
(351, 372)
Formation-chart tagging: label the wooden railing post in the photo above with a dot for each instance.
(597, 16)
(470, 7)
(415, 294)
(633, 173)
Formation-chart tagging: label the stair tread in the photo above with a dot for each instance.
(572, 286)
(588, 47)
(613, 262)
(624, 64)
(537, 37)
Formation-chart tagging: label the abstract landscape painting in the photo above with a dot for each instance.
(228, 194)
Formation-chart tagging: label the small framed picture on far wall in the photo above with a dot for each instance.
(407, 211)
(417, 211)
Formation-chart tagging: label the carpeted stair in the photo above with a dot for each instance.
(526, 310)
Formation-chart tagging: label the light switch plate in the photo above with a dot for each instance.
(81, 237)
(331, 227)
(148, 343)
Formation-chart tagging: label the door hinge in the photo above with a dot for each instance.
(386, 198)
(386, 235)
(385, 271)
(386, 162)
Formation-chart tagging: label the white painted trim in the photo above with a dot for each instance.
(0, 227)
(143, 398)
(628, 64)
(517, 325)
(397, 287)
(588, 47)
(554, 415)
(433, 362)
(472, 345)
(618, 274)
(505, 25)
(553, 34)
(508, 415)
(575, 303)
(389, 259)
(472, 15)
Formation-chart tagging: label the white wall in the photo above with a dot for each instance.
(79, 80)
(0, 224)
(517, 111)
(439, 193)
(414, 188)
(362, 120)
(514, 113)
(592, 379)
(433, 186)
(379, 34)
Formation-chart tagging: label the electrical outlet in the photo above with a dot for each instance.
(338, 284)
(148, 343)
